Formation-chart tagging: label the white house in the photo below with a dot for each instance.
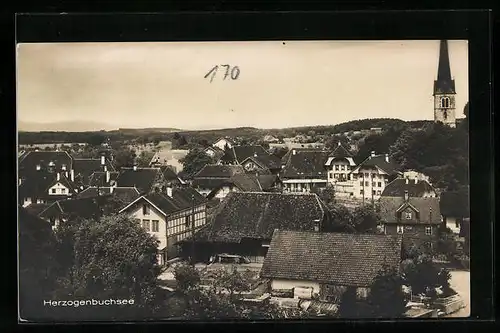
(222, 142)
(170, 217)
(339, 165)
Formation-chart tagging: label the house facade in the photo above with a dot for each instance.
(298, 260)
(417, 219)
(414, 187)
(370, 177)
(170, 217)
(221, 143)
(213, 176)
(339, 165)
(304, 170)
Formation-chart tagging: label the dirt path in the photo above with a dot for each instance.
(460, 282)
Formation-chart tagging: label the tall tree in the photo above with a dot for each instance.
(124, 157)
(195, 160)
(386, 298)
(110, 258)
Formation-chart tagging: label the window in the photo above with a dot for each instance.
(408, 215)
(145, 225)
(354, 176)
(360, 183)
(361, 192)
(374, 184)
(342, 167)
(445, 115)
(63, 191)
(400, 229)
(155, 226)
(367, 175)
(374, 175)
(373, 192)
(336, 168)
(428, 231)
(330, 174)
(367, 183)
(186, 221)
(379, 184)
(445, 102)
(378, 192)
(145, 209)
(53, 191)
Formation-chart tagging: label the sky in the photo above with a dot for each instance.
(280, 83)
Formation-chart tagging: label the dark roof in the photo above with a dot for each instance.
(455, 203)
(398, 186)
(444, 83)
(267, 181)
(246, 182)
(380, 161)
(257, 214)
(169, 175)
(98, 178)
(285, 157)
(334, 258)
(142, 178)
(306, 164)
(240, 153)
(340, 152)
(29, 161)
(219, 171)
(83, 207)
(32, 229)
(210, 183)
(428, 209)
(87, 166)
(36, 184)
(182, 198)
(265, 161)
(127, 194)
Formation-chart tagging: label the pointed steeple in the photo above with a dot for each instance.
(444, 83)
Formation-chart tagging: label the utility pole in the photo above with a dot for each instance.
(192, 230)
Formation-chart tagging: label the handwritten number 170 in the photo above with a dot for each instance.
(232, 72)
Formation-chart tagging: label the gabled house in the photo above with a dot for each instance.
(85, 167)
(221, 143)
(144, 179)
(371, 176)
(212, 176)
(246, 182)
(45, 187)
(33, 162)
(415, 188)
(244, 222)
(166, 156)
(304, 170)
(123, 194)
(417, 219)
(455, 207)
(329, 263)
(103, 178)
(253, 159)
(339, 165)
(170, 216)
(170, 176)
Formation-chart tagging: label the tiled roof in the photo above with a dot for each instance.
(35, 209)
(29, 161)
(246, 182)
(380, 161)
(428, 209)
(306, 165)
(84, 207)
(455, 203)
(182, 198)
(142, 178)
(340, 152)
(169, 175)
(265, 161)
(209, 183)
(87, 166)
(240, 153)
(398, 186)
(333, 258)
(219, 171)
(256, 215)
(98, 178)
(33, 227)
(127, 194)
(267, 181)
(285, 157)
(36, 185)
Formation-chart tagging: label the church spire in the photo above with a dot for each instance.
(444, 83)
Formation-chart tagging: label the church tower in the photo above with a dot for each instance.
(444, 89)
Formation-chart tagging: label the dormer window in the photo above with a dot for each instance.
(145, 209)
(63, 167)
(38, 167)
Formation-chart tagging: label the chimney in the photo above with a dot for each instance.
(38, 167)
(416, 180)
(111, 189)
(294, 152)
(338, 143)
(105, 169)
(169, 191)
(372, 154)
(63, 167)
(66, 174)
(58, 176)
(36, 149)
(406, 180)
(107, 176)
(316, 225)
(387, 158)
(72, 175)
(135, 167)
(103, 160)
(406, 195)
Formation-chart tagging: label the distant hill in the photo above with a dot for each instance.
(149, 130)
(63, 126)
